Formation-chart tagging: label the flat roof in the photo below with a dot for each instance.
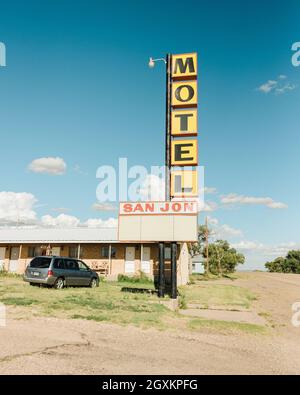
(58, 235)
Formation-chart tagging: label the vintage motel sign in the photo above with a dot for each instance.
(184, 94)
(184, 102)
(184, 153)
(184, 183)
(184, 66)
(184, 123)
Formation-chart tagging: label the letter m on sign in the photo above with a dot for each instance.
(184, 66)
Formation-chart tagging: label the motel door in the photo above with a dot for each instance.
(129, 259)
(2, 257)
(14, 259)
(145, 265)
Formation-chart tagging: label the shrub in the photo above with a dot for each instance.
(141, 277)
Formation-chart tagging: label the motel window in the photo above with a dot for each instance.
(73, 252)
(34, 251)
(105, 252)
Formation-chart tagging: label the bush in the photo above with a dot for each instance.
(5, 273)
(289, 264)
(137, 278)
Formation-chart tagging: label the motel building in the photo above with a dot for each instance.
(99, 248)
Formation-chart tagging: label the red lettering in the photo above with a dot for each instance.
(176, 207)
(166, 208)
(189, 206)
(127, 207)
(149, 207)
(139, 208)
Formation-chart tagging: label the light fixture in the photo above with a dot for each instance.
(152, 61)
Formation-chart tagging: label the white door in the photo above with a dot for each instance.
(14, 259)
(129, 259)
(2, 257)
(145, 264)
(55, 251)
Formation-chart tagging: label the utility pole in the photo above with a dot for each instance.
(206, 245)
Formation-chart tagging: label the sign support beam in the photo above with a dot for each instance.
(174, 270)
(161, 267)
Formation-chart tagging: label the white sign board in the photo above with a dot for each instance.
(158, 221)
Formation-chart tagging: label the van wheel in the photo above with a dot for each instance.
(93, 283)
(34, 284)
(59, 283)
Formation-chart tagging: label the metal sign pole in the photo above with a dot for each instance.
(168, 125)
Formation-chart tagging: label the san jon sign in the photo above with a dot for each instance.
(176, 219)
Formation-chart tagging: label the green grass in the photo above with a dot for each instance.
(225, 326)
(218, 294)
(108, 303)
(210, 276)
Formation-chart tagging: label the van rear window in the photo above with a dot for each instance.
(40, 263)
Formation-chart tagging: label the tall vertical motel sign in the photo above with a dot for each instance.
(181, 126)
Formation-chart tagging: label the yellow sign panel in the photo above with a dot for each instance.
(184, 123)
(184, 183)
(184, 94)
(184, 153)
(184, 66)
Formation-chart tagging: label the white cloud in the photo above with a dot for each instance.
(206, 206)
(17, 208)
(234, 198)
(101, 223)
(279, 86)
(285, 88)
(268, 86)
(61, 221)
(104, 207)
(222, 231)
(50, 165)
(266, 250)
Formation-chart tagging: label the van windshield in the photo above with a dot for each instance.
(40, 263)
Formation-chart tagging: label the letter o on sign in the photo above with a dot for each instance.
(180, 93)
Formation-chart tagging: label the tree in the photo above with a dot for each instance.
(223, 258)
(289, 264)
(197, 248)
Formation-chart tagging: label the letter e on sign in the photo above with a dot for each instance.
(184, 66)
(184, 153)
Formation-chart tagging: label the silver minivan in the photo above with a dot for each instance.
(58, 272)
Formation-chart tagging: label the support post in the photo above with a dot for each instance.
(109, 260)
(78, 251)
(168, 126)
(161, 270)
(174, 270)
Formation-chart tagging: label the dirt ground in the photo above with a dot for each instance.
(57, 346)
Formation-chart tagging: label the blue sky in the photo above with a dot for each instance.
(77, 86)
